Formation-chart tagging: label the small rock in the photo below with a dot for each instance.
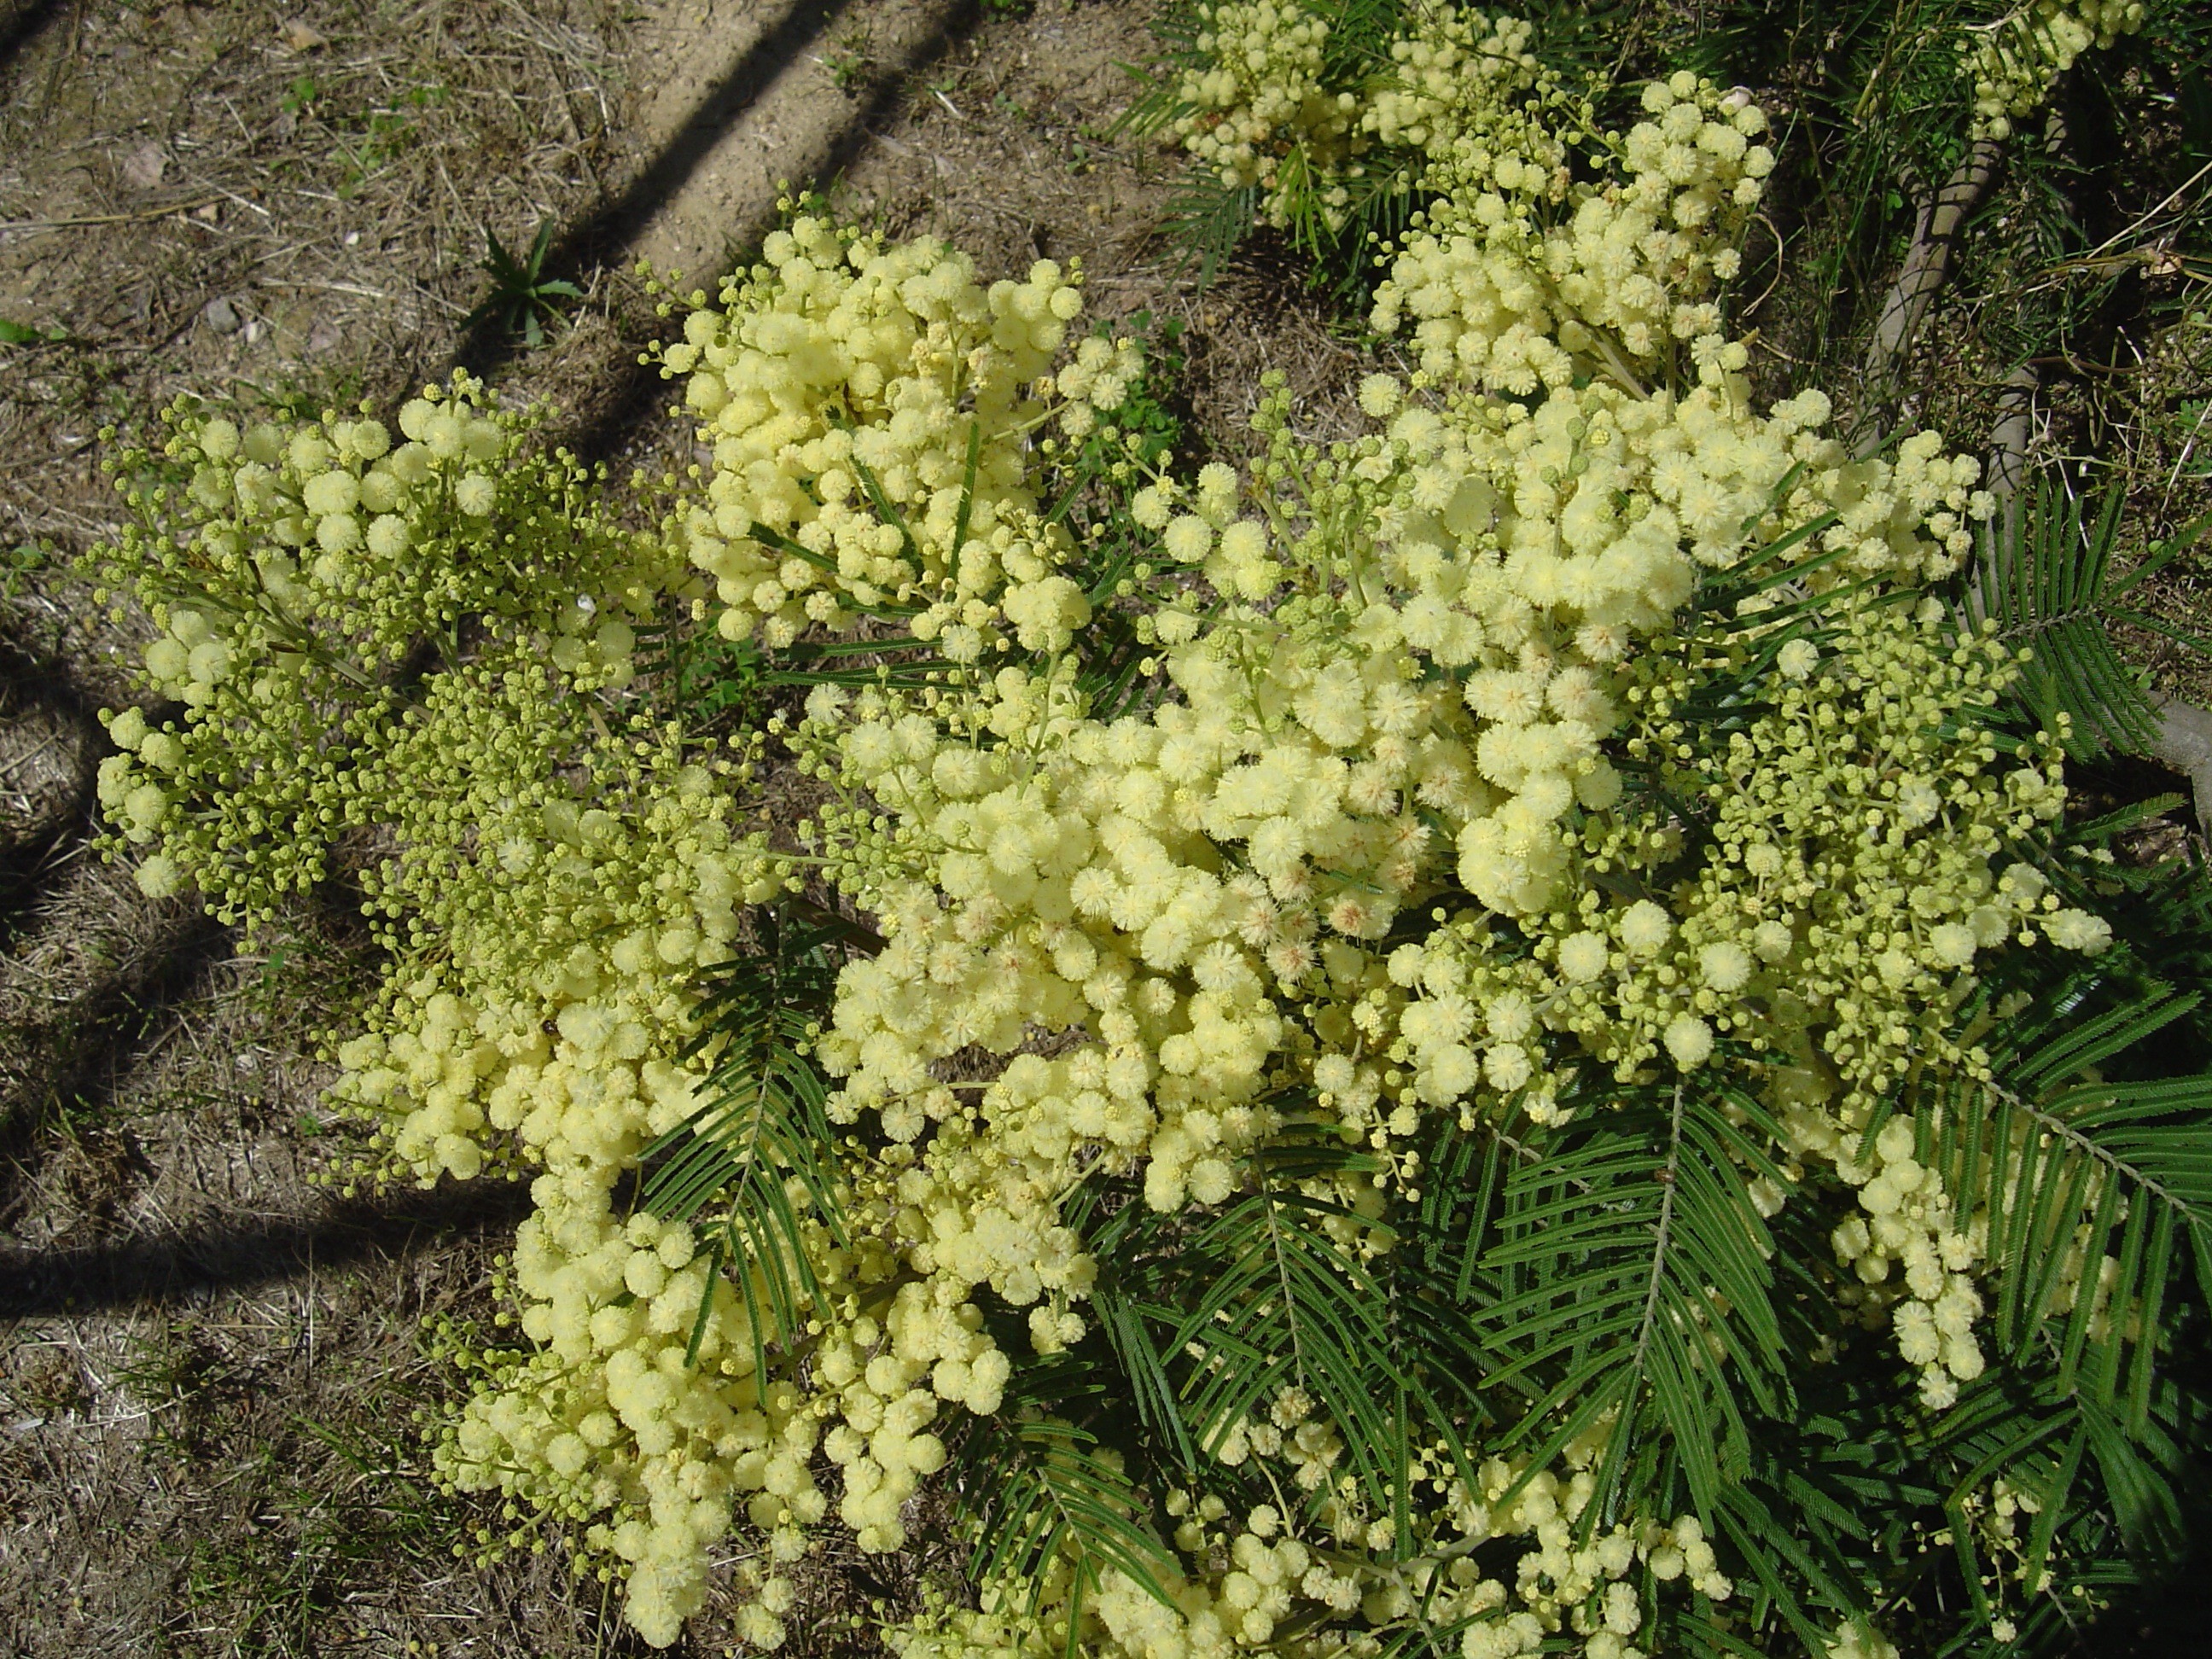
(144, 167)
(323, 336)
(220, 315)
(288, 329)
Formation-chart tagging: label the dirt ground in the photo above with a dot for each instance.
(212, 1365)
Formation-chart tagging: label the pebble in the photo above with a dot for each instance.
(220, 315)
(144, 167)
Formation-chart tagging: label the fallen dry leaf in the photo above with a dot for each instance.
(142, 167)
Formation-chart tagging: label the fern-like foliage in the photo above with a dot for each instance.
(1280, 1303)
(1631, 1283)
(2094, 1167)
(1212, 1322)
(1044, 1496)
(2049, 583)
(761, 1133)
(2086, 1153)
(2103, 1504)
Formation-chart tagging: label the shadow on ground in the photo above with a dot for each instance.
(21, 21)
(634, 398)
(140, 1274)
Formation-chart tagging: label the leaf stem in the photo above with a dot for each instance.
(1659, 1247)
(2058, 1126)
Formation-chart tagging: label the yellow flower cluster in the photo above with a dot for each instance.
(615, 1414)
(1461, 78)
(868, 409)
(1547, 250)
(291, 571)
(1520, 279)
(2015, 61)
(561, 931)
(1907, 1219)
(1832, 897)
(556, 870)
(1243, 1578)
(553, 901)
(1854, 840)
(2002, 1515)
(1449, 670)
(1257, 113)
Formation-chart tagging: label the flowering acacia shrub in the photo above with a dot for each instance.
(1542, 1072)
(1337, 120)
(2016, 60)
(294, 574)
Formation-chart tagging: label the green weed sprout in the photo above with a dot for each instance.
(519, 290)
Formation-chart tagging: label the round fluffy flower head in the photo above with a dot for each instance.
(1644, 927)
(1258, 98)
(868, 407)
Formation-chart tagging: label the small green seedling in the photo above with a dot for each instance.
(518, 292)
(851, 62)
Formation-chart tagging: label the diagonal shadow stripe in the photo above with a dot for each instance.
(77, 1054)
(24, 871)
(640, 392)
(487, 344)
(21, 22)
(161, 1272)
(28, 677)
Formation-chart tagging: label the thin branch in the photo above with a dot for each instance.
(1666, 1222)
(1523, 1149)
(2008, 471)
(190, 206)
(2130, 232)
(2183, 743)
(2074, 1136)
(1928, 262)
